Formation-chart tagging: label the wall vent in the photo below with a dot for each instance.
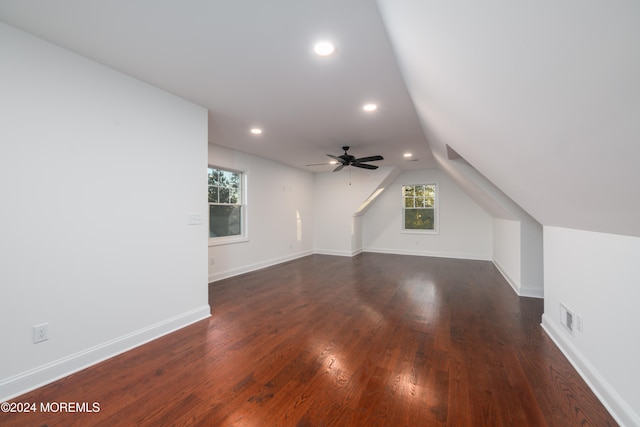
(566, 318)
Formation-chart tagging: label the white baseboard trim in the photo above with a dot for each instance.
(455, 255)
(30, 380)
(257, 266)
(337, 253)
(531, 293)
(616, 406)
(268, 263)
(515, 285)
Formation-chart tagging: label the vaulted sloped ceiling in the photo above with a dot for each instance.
(541, 97)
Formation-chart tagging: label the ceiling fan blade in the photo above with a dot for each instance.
(369, 159)
(338, 168)
(364, 166)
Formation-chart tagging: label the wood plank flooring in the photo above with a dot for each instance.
(374, 340)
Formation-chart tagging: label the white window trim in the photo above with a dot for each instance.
(244, 236)
(436, 226)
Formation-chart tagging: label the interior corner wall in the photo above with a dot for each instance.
(517, 252)
(337, 196)
(507, 253)
(465, 229)
(356, 235)
(280, 215)
(517, 237)
(532, 258)
(595, 275)
(98, 173)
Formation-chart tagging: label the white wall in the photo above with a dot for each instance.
(596, 276)
(337, 196)
(280, 214)
(98, 172)
(465, 229)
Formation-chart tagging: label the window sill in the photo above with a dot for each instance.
(420, 232)
(219, 241)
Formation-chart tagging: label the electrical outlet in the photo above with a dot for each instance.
(212, 261)
(40, 332)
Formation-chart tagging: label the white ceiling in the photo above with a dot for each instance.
(251, 64)
(541, 97)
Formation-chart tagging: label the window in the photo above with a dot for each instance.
(226, 208)
(419, 208)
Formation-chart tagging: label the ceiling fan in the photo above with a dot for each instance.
(348, 160)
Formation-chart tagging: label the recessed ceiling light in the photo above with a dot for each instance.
(407, 154)
(333, 162)
(369, 107)
(324, 48)
(256, 131)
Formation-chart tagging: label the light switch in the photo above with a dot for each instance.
(194, 219)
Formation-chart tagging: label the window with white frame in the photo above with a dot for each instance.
(226, 203)
(419, 208)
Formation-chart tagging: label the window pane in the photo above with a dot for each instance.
(408, 191)
(213, 191)
(214, 176)
(430, 202)
(430, 190)
(408, 202)
(234, 195)
(234, 181)
(224, 221)
(224, 195)
(419, 219)
(213, 194)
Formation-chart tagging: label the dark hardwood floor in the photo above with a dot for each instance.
(333, 341)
